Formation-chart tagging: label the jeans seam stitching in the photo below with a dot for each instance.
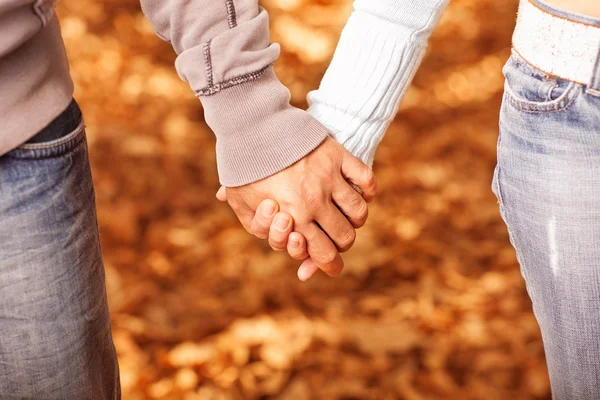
(61, 151)
(522, 105)
(50, 145)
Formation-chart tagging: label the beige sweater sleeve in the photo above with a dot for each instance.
(35, 85)
(225, 55)
(223, 52)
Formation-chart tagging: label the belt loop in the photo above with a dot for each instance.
(594, 87)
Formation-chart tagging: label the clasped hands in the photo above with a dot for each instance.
(309, 209)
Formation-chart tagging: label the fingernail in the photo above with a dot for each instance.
(281, 223)
(269, 209)
(294, 239)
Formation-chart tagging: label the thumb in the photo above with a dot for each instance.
(222, 194)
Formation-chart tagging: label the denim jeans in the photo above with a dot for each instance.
(55, 336)
(547, 182)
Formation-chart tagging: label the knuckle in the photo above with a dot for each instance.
(355, 200)
(348, 198)
(370, 178)
(363, 212)
(312, 193)
(312, 198)
(327, 257)
(347, 240)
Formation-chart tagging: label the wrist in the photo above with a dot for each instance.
(258, 132)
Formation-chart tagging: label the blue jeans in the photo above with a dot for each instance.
(55, 336)
(547, 182)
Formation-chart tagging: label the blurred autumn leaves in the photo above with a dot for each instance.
(431, 305)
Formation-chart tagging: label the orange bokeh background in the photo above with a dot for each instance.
(431, 305)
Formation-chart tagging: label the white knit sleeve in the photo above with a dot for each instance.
(379, 52)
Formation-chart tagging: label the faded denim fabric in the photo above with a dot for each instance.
(55, 336)
(548, 185)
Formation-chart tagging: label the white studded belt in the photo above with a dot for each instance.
(557, 43)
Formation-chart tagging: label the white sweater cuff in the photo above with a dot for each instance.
(378, 54)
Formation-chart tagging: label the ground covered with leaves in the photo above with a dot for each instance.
(431, 305)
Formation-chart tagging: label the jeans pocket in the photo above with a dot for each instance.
(51, 149)
(529, 89)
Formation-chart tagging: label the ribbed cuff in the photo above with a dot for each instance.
(379, 52)
(258, 132)
(368, 75)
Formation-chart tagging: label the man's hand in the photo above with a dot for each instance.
(316, 192)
